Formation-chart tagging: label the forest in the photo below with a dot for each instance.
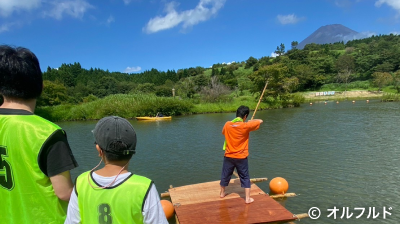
(374, 62)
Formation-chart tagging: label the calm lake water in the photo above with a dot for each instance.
(344, 155)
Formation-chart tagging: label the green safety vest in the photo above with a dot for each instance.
(26, 193)
(237, 119)
(119, 204)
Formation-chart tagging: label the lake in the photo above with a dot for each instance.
(344, 156)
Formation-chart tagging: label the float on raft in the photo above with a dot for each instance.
(153, 118)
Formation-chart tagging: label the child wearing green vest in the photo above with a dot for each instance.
(35, 156)
(112, 194)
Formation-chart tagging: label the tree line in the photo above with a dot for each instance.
(374, 59)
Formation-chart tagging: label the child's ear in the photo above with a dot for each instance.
(99, 150)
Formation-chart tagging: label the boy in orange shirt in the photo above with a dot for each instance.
(236, 133)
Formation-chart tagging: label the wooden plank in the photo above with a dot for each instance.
(234, 211)
(278, 196)
(209, 191)
(253, 180)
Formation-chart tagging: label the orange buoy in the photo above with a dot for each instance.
(278, 185)
(168, 208)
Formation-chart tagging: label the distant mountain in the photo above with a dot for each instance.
(330, 34)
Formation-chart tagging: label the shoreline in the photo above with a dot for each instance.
(124, 106)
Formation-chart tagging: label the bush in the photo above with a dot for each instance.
(89, 98)
(126, 106)
(164, 91)
(297, 99)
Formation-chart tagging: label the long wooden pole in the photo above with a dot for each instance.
(261, 96)
(260, 99)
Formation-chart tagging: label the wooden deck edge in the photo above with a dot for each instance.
(301, 216)
(167, 194)
(298, 217)
(253, 180)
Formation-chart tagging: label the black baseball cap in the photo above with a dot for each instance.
(112, 129)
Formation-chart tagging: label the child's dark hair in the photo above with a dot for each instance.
(20, 74)
(242, 111)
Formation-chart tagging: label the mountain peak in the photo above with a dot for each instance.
(329, 34)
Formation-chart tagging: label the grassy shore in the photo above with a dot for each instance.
(131, 106)
(134, 105)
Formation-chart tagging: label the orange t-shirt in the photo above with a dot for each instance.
(237, 138)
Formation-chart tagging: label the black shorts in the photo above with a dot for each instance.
(242, 168)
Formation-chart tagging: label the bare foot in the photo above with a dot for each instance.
(222, 192)
(250, 200)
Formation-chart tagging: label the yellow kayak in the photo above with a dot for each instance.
(154, 118)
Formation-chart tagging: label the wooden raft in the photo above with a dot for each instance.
(201, 204)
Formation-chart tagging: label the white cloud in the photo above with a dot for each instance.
(395, 33)
(273, 54)
(8, 26)
(4, 28)
(358, 36)
(343, 3)
(7, 7)
(289, 19)
(73, 8)
(188, 18)
(395, 4)
(110, 20)
(132, 69)
(126, 2)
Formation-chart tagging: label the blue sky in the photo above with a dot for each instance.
(136, 35)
